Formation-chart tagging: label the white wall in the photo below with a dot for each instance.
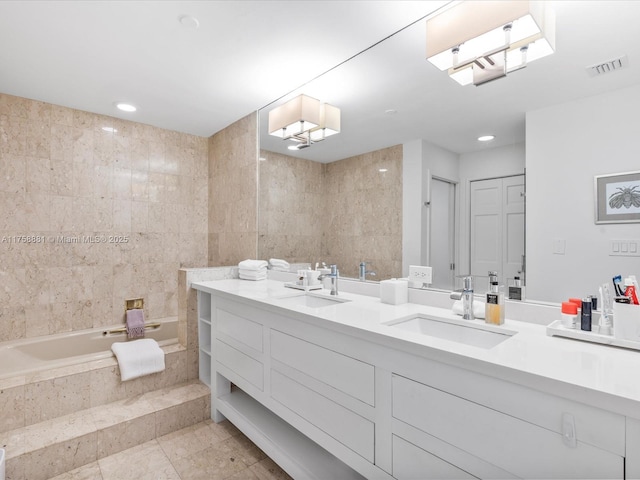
(481, 165)
(566, 146)
(420, 157)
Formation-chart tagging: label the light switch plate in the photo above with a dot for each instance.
(627, 247)
(420, 274)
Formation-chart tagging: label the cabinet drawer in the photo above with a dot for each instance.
(413, 463)
(514, 445)
(351, 376)
(345, 426)
(240, 329)
(248, 368)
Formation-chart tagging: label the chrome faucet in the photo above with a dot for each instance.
(334, 278)
(364, 272)
(466, 295)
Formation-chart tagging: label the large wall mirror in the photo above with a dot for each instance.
(407, 182)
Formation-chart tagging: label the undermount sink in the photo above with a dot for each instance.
(471, 334)
(310, 300)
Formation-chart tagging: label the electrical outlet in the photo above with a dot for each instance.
(420, 274)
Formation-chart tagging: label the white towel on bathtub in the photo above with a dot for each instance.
(138, 357)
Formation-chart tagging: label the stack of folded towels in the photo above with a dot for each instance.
(253, 269)
(279, 265)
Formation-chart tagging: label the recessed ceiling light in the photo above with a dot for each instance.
(382, 170)
(125, 107)
(187, 21)
(486, 138)
(110, 129)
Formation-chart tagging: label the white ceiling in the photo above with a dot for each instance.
(246, 54)
(90, 54)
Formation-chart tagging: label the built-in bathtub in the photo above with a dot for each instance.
(20, 357)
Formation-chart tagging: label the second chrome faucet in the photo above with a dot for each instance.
(334, 275)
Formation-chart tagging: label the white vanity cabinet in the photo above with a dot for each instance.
(265, 371)
(509, 446)
(326, 403)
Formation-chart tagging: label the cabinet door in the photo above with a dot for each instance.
(347, 427)
(412, 463)
(346, 374)
(512, 444)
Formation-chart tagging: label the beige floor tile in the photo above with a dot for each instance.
(88, 472)
(144, 462)
(267, 469)
(220, 461)
(248, 453)
(189, 440)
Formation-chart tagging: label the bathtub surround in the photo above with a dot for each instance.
(343, 210)
(97, 217)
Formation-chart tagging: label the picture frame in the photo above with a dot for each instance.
(617, 198)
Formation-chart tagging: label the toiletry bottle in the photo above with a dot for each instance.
(516, 292)
(630, 291)
(569, 315)
(585, 315)
(494, 307)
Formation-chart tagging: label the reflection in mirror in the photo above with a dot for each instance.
(317, 205)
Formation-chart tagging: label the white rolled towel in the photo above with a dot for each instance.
(138, 357)
(255, 265)
(478, 308)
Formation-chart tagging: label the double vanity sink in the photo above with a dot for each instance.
(394, 391)
(455, 330)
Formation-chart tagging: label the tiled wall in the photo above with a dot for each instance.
(139, 193)
(350, 205)
(233, 193)
(291, 208)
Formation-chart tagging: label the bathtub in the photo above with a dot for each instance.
(20, 357)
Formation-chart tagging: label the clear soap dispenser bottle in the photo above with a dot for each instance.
(494, 307)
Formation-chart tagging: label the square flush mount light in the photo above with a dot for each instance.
(305, 120)
(295, 117)
(480, 41)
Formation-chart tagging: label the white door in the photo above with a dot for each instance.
(497, 229)
(442, 233)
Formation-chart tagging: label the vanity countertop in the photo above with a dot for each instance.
(599, 375)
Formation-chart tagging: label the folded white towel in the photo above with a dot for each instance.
(281, 269)
(249, 275)
(278, 262)
(253, 264)
(244, 271)
(478, 308)
(138, 357)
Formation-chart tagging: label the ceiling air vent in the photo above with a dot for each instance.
(608, 67)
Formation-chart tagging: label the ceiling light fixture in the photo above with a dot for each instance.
(486, 138)
(305, 120)
(477, 42)
(125, 107)
(110, 129)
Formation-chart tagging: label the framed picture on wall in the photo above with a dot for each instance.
(617, 197)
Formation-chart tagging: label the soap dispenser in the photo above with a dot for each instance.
(494, 307)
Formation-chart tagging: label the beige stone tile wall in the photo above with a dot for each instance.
(363, 206)
(140, 193)
(291, 208)
(352, 211)
(233, 177)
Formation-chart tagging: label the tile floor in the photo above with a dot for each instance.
(203, 451)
